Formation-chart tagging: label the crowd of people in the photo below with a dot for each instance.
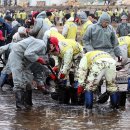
(31, 43)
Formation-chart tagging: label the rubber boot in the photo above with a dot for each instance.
(3, 78)
(28, 96)
(63, 91)
(73, 96)
(71, 77)
(114, 97)
(20, 95)
(89, 99)
(122, 99)
(55, 95)
(66, 98)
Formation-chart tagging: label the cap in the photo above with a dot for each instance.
(54, 41)
(22, 30)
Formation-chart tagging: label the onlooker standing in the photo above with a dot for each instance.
(70, 28)
(123, 28)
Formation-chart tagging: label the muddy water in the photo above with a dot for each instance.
(48, 115)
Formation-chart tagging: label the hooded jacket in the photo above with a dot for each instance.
(99, 38)
(40, 26)
(41, 15)
(123, 29)
(30, 48)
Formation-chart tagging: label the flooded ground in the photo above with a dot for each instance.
(46, 114)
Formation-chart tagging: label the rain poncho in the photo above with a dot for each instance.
(42, 15)
(125, 41)
(84, 27)
(124, 44)
(123, 29)
(70, 51)
(93, 66)
(22, 55)
(70, 29)
(99, 38)
(48, 22)
(40, 26)
(3, 49)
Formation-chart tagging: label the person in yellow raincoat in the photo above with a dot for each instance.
(124, 44)
(93, 66)
(98, 13)
(69, 55)
(52, 32)
(48, 18)
(85, 23)
(70, 28)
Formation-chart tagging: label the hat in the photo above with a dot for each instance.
(22, 30)
(1, 36)
(83, 16)
(35, 13)
(124, 17)
(54, 41)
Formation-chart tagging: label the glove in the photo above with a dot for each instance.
(80, 90)
(62, 76)
(41, 60)
(55, 69)
(52, 76)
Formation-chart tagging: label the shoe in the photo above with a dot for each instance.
(19, 96)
